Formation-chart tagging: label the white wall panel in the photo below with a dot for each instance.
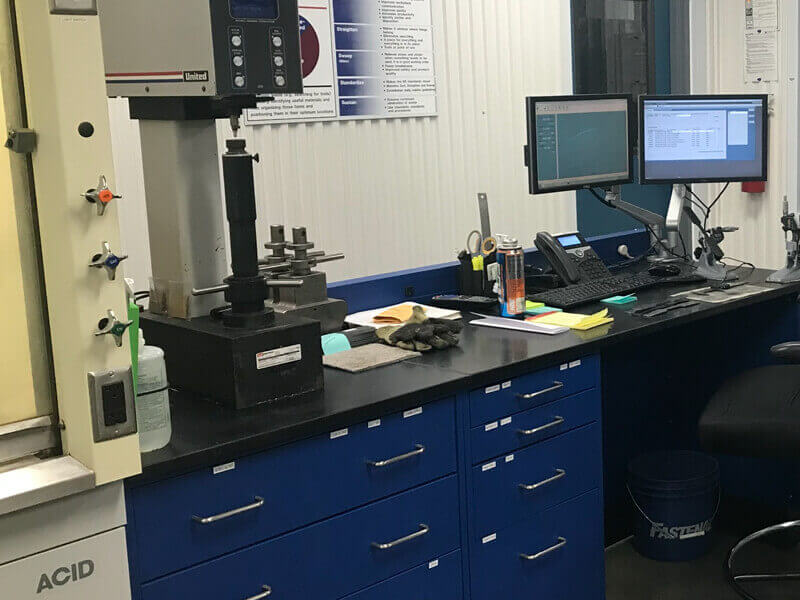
(402, 193)
(126, 145)
(719, 52)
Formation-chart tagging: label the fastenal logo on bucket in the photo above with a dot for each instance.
(659, 531)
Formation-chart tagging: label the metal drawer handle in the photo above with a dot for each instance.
(267, 592)
(557, 385)
(561, 543)
(259, 502)
(560, 473)
(558, 421)
(390, 461)
(423, 529)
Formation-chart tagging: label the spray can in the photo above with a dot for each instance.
(511, 262)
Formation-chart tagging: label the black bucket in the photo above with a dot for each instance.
(676, 495)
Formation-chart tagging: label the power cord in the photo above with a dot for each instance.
(741, 265)
(711, 206)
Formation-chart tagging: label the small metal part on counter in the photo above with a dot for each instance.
(311, 300)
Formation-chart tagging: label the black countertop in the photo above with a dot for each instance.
(205, 434)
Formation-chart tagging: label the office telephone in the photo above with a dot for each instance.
(571, 257)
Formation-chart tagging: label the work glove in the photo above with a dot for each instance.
(422, 334)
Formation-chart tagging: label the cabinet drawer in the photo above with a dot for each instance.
(552, 472)
(289, 487)
(439, 579)
(534, 425)
(328, 560)
(558, 556)
(514, 395)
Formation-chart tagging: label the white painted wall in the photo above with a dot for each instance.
(396, 194)
(718, 52)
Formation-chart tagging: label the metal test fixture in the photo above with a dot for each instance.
(184, 65)
(791, 229)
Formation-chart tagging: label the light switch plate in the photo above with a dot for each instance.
(73, 7)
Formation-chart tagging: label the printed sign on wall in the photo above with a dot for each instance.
(362, 59)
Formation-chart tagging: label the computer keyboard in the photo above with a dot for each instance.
(596, 290)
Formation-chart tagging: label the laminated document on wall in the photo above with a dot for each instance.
(761, 14)
(362, 59)
(761, 56)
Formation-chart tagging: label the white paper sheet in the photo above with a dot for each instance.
(364, 319)
(761, 14)
(513, 324)
(761, 56)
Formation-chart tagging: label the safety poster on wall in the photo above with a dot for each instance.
(362, 59)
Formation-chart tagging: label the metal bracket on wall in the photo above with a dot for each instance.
(21, 141)
(27, 438)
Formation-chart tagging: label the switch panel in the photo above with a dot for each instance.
(113, 409)
(73, 7)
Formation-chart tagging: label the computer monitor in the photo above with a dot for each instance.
(577, 142)
(703, 139)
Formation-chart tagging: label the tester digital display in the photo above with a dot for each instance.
(254, 9)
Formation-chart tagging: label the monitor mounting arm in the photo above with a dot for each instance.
(666, 229)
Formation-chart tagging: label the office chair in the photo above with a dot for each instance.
(757, 414)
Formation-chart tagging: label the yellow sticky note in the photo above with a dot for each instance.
(533, 305)
(576, 321)
(585, 326)
(562, 319)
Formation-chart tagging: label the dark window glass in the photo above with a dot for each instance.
(612, 47)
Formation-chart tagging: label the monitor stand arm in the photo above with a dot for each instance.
(667, 230)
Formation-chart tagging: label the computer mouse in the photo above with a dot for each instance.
(664, 270)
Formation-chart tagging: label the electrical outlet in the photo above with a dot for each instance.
(113, 410)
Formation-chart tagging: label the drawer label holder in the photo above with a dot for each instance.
(340, 433)
(224, 468)
(413, 412)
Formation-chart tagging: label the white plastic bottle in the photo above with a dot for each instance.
(152, 398)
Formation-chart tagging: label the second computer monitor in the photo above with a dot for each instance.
(698, 139)
(579, 142)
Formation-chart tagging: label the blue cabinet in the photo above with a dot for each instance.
(504, 398)
(516, 487)
(557, 556)
(495, 493)
(534, 425)
(438, 579)
(333, 558)
(178, 520)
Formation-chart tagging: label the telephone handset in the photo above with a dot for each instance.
(571, 257)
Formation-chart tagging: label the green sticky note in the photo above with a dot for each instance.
(334, 342)
(618, 300)
(542, 310)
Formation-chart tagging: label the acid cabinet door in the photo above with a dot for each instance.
(92, 569)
